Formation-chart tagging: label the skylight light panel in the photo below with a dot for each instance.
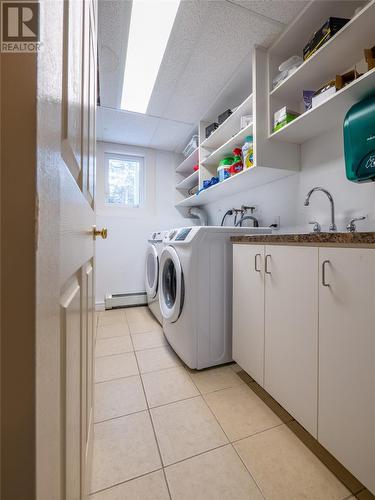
(150, 27)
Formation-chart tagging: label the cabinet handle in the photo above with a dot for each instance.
(257, 269)
(324, 272)
(266, 264)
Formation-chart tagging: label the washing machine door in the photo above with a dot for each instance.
(152, 271)
(171, 291)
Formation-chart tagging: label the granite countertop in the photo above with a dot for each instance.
(339, 239)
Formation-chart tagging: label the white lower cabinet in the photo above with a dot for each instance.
(291, 330)
(346, 422)
(248, 309)
(305, 318)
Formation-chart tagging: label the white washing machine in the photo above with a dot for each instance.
(154, 248)
(195, 292)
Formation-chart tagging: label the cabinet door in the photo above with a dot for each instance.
(291, 330)
(347, 359)
(248, 309)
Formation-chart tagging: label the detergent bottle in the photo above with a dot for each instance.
(223, 168)
(248, 152)
(237, 165)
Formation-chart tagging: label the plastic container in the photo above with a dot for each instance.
(193, 144)
(248, 152)
(223, 170)
(237, 165)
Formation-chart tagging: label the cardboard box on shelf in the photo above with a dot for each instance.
(282, 117)
(331, 87)
(343, 80)
(370, 58)
(320, 37)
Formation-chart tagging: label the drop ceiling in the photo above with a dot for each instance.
(207, 59)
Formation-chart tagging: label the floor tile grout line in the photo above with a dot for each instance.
(110, 355)
(153, 428)
(119, 378)
(196, 455)
(287, 424)
(151, 348)
(148, 408)
(134, 334)
(124, 482)
(125, 352)
(235, 441)
(229, 441)
(120, 416)
(135, 375)
(247, 469)
(113, 336)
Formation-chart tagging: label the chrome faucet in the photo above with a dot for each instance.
(332, 226)
(351, 227)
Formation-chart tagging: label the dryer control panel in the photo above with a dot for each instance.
(182, 234)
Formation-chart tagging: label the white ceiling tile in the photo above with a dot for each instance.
(229, 35)
(127, 128)
(283, 11)
(169, 134)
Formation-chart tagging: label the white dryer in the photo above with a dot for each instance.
(195, 292)
(154, 248)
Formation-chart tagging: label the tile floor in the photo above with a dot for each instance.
(163, 431)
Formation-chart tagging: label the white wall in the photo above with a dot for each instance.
(322, 165)
(120, 258)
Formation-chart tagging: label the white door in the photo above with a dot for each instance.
(65, 255)
(291, 330)
(347, 359)
(248, 309)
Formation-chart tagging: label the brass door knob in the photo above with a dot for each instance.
(96, 232)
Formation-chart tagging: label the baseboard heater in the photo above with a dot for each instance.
(125, 300)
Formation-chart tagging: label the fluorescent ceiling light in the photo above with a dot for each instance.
(150, 26)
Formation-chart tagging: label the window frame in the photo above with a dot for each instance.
(142, 180)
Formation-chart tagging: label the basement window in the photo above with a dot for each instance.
(124, 180)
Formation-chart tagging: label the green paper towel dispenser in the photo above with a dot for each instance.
(359, 141)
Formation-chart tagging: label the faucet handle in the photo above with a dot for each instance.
(351, 227)
(316, 226)
(245, 208)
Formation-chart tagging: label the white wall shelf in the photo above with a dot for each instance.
(245, 180)
(227, 148)
(279, 153)
(329, 113)
(186, 167)
(333, 58)
(230, 127)
(189, 182)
